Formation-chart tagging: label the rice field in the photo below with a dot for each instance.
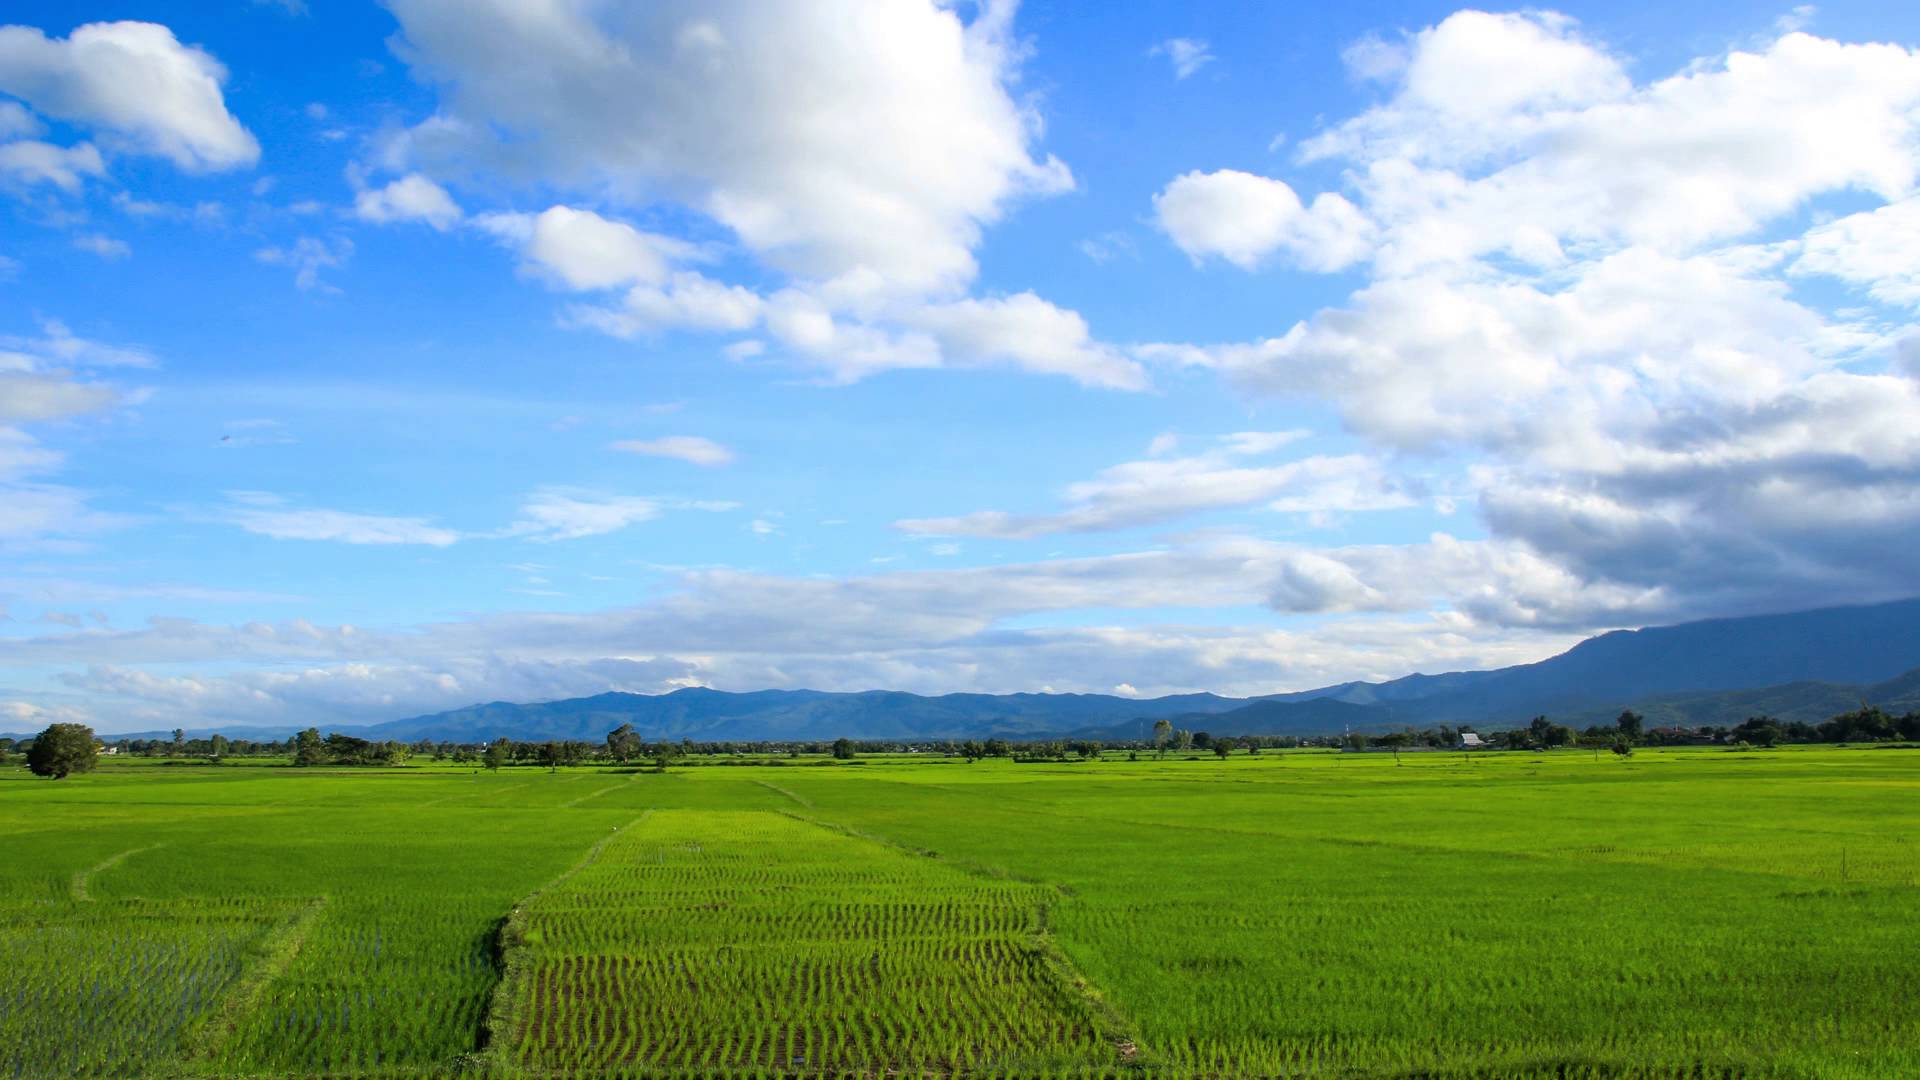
(1685, 913)
(748, 941)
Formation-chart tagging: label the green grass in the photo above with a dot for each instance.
(1680, 913)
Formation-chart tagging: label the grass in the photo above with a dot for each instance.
(1681, 913)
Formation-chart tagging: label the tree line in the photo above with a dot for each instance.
(63, 749)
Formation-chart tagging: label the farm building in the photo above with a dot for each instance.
(1471, 740)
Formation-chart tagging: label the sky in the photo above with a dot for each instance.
(362, 360)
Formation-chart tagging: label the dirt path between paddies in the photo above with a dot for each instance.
(271, 956)
(593, 794)
(501, 1021)
(778, 790)
(79, 887)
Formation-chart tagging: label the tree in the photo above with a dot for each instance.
(219, 747)
(499, 752)
(1759, 730)
(1547, 734)
(1183, 739)
(179, 747)
(308, 749)
(622, 743)
(1629, 724)
(843, 749)
(662, 755)
(61, 750)
(1222, 747)
(1622, 747)
(1162, 734)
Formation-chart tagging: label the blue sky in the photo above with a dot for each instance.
(361, 360)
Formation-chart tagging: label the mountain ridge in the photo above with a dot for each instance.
(1792, 665)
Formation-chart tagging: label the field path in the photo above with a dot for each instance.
(471, 794)
(272, 956)
(80, 879)
(778, 790)
(596, 793)
(502, 1018)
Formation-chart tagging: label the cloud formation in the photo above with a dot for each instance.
(864, 197)
(1581, 283)
(1162, 489)
(136, 85)
(692, 449)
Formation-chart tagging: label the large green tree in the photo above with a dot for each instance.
(623, 744)
(61, 750)
(308, 749)
(499, 752)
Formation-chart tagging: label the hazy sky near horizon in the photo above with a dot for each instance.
(359, 360)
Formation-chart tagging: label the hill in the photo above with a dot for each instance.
(1804, 665)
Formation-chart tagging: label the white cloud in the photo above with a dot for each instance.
(134, 83)
(270, 517)
(413, 197)
(41, 380)
(1244, 218)
(1162, 489)
(58, 346)
(584, 251)
(1874, 250)
(16, 122)
(309, 256)
(1187, 55)
(693, 449)
(904, 144)
(1550, 148)
(855, 149)
(687, 301)
(930, 631)
(1029, 333)
(1581, 285)
(563, 514)
(29, 162)
(103, 245)
(35, 396)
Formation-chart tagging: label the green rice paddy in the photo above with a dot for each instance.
(1685, 913)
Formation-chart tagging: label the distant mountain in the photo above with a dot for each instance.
(1805, 665)
(712, 715)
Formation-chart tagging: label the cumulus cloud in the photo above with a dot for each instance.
(905, 144)
(1581, 283)
(693, 449)
(583, 251)
(30, 162)
(856, 149)
(1873, 250)
(136, 85)
(1029, 333)
(1244, 218)
(1163, 488)
(413, 197)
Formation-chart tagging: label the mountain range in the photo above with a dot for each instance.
(1805, 665)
